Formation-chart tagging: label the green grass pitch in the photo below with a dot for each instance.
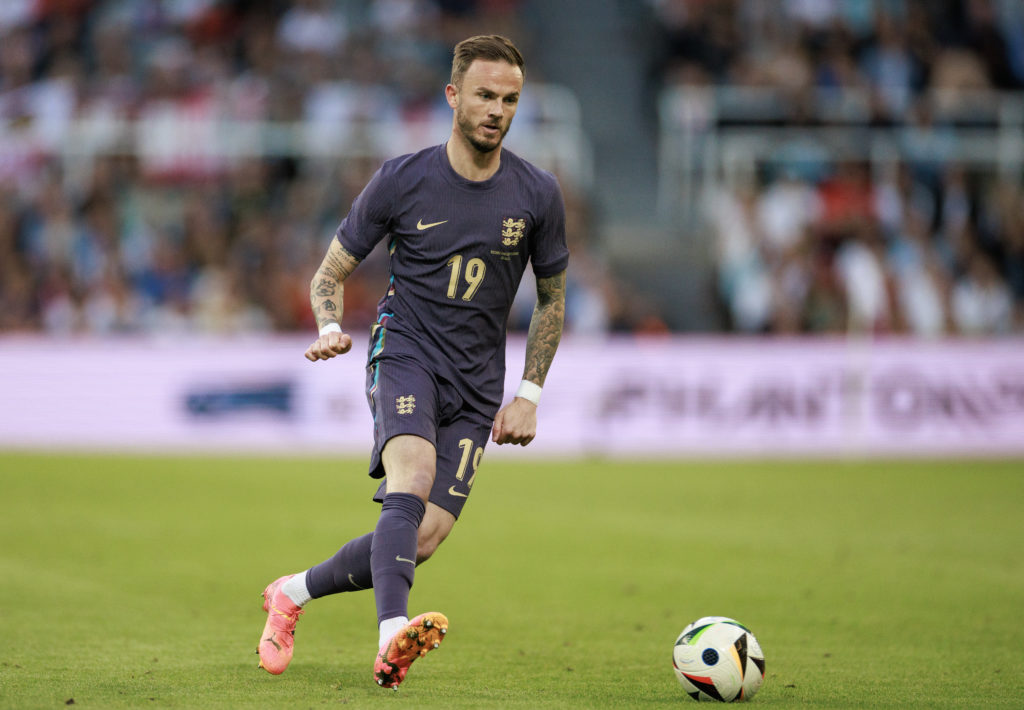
(135, 582)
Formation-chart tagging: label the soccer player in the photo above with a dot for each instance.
(461, 219)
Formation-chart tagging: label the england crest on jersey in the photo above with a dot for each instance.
(512, 231)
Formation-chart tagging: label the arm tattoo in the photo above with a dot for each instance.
(327, 289)
(545, 328)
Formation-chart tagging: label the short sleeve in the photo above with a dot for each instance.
(369, 219)
(550, 254)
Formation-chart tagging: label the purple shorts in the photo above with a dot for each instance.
(406, 398)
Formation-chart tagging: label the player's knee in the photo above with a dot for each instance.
(427, 546)
(415, 481)
(430, 538)
(420, 483)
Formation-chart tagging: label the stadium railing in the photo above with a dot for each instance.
(710, 136)
(547, 131)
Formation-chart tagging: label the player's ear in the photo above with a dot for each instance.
(452, 94)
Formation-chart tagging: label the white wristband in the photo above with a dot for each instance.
(529, 391)
(330, 328)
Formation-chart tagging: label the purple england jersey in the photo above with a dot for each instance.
(458, 251)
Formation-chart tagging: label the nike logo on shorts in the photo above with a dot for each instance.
(453, 492)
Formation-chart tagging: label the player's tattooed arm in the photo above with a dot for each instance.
(327, 289)
(516, 422)
(545, 327)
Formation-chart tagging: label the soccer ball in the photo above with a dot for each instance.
(717, 658)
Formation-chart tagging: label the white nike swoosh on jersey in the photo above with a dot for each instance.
(452, 491)
(420, 225)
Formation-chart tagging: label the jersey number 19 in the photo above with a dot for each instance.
(475, 270)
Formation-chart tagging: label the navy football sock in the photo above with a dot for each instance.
(393, 553)
(347, 571)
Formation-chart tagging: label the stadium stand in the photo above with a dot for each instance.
(179, 166)
(842, 165)
(858, 165)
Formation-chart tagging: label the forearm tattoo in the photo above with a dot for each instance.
(327, 289)
(545, 328)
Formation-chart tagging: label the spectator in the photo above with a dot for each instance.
(917, 241)
(982, 304)
(922, 283)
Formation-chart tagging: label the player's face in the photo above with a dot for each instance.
(486, 102)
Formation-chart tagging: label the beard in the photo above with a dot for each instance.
(468, 130)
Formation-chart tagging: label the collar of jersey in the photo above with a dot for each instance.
(476, 185)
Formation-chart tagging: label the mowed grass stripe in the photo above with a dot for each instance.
(134, 581)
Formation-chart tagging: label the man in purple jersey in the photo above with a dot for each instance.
(461, 221)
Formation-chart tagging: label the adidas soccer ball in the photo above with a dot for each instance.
(717, 658)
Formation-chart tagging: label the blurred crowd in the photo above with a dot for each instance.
(898, 48)
(171, 229)
(176, 233)
(922, 242)
(886, 254)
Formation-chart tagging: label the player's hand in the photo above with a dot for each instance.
(329, 345)
(516, 423)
